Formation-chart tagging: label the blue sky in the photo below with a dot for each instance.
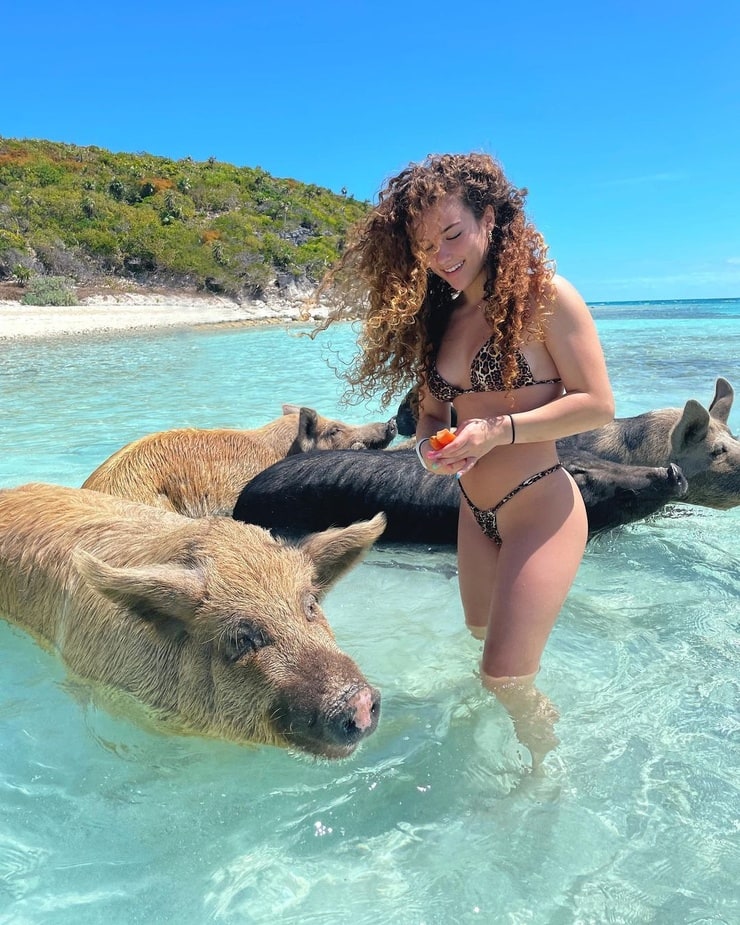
(621, 118)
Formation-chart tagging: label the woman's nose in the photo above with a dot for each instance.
(442, 251)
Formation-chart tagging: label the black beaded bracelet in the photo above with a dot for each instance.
(513, 429)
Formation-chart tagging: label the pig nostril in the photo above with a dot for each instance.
(349, 730)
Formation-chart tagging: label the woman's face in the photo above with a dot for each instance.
(455, 242)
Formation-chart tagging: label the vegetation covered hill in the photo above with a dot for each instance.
(84, 213)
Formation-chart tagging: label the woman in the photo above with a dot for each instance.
(463, 303)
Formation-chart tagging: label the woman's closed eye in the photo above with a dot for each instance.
(432, 248)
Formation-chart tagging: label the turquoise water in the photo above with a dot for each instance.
(436, 819)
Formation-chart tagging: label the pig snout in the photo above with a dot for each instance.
(334, 728)
(352, 717)
(358, 716)
(377, 437)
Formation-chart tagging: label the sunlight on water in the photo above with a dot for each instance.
(437, 818)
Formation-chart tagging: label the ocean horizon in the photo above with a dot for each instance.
(720, 301)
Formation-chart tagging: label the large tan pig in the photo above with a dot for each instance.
(212, 624)
(201, 472)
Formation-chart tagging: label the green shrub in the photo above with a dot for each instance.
(49, 290)
(72, 210)
(22, 273)
(11, 241)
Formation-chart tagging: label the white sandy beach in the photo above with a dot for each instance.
(132, 311)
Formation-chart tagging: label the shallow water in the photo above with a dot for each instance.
(437, 818)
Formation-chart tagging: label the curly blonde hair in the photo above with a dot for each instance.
(406, 306)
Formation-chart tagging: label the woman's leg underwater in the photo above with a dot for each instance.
(544, 532)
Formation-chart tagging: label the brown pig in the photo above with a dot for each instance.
(201, 472)
(213, 625)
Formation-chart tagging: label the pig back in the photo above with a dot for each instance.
(313, 491)
(41, 526)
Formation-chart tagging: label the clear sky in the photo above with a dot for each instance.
(621, 117)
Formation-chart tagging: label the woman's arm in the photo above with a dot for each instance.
(433, 415)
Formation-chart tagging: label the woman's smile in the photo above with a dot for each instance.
(454, 268)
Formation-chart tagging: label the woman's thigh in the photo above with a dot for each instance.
(477, 556)
(544, 531)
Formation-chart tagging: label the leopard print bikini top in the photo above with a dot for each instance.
(486, 375)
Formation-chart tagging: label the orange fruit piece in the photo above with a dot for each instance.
(441, 438)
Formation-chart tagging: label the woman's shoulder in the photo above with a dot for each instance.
(566, 310)
(562, 298)
(554, 297)
(562, 290)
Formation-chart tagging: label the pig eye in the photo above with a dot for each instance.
(244, 639)
(332, 432)
(718, 450)
(311, 607)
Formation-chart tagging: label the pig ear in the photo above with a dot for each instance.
(337, 550)
(722, 401)
(308, 425)
(692, 427)
(291, 409)
(308, 431)
(159, 593)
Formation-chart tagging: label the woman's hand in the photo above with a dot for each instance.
(473, 439)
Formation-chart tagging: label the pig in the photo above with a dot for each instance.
(214, 626)
(201, 472)
(694, 438)
(317, 490)
(616, 495)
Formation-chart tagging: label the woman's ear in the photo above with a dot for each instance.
(489, 219)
